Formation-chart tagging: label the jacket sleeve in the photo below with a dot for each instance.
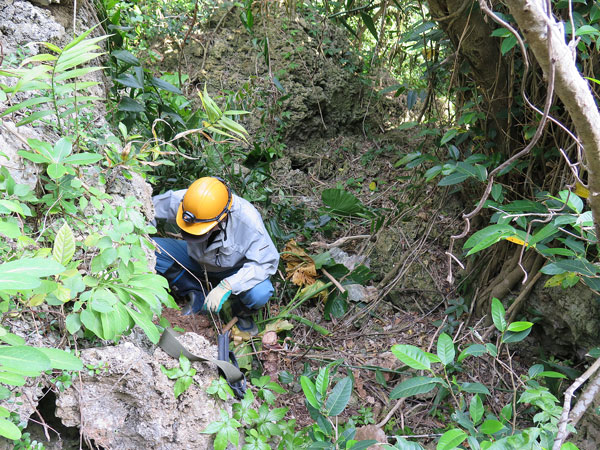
(167, 204)
(261, 262)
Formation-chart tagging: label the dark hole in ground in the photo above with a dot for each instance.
(61, 436)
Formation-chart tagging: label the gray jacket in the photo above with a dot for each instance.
(248, 245)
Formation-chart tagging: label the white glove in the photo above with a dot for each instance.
(216, 297)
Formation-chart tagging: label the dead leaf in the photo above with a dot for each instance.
(299, 267)
(279, 326)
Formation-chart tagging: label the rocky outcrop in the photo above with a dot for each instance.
(127, 402)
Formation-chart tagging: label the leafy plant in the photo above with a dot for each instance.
(54, 79)
(182, 374)
(471, 420)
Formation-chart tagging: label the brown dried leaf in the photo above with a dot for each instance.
(299, 267)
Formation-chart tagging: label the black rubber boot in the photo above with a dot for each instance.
(245, 321)
(185, 287)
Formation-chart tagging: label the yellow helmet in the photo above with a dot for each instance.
(206, 203)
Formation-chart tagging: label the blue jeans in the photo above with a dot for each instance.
(254, 298)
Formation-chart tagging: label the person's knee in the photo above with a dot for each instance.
(258, 296)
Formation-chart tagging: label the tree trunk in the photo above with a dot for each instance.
(470, 34)
(546, 39)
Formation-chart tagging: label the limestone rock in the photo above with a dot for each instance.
(129, 403)
(22, 171)
(570, 317)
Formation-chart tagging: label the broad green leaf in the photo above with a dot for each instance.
(546, 232)
(64, 245)
(414, 386)
(62, 360)
(339, 397)
(341, 202)
(491, 426)
(20, 358)
(482, 239)
(310, 392)
(9, 430)
(519, 326)
(130, 105)
(451, 439)
(551, 374)
(476, 409)
(368, 21)
(498, 314)
(12, 379)
(508, 43)
(83, 158)
(12, 206)
(412, 356)
(145, 324)
(474, 388)
(510, 336)
(448, 136)
(91, 320)
(129, 80)
(473, 349)
(164, 85)
(322, 382)
(445, 349)
(73, 323)
(25, 273)
(453, 178)
(61, 149)
(56, 171)
(126, 57)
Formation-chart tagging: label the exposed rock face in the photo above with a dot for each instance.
(129, 403)
(22, 23)
(570, 318)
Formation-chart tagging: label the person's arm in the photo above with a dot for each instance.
(167, 204)
(262, 260)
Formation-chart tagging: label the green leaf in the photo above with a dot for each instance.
(508, 43)
(339, 397)
(414, 386)
(62, 360)
(368, 20)
(412, 356)
(73, 323)
(131, 105)
(453, 178)
(145, 324)
(12, 379)
(341, 202)
(473, 349)
(126, 57)
(445, 349)
(482, 239)
(129, 80)
(310, 392)
(451, 439)
(322, 382)
(9, 430)
(164, 85)
(85, 158)
(491, 426)
(448, 136)
(498, 314)
(474, 388)
(64, 245)
(25, 273)
(181, 385)
(56, 171)
(510, 336)
(476, 409)
(519, 326)
(21, 358)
